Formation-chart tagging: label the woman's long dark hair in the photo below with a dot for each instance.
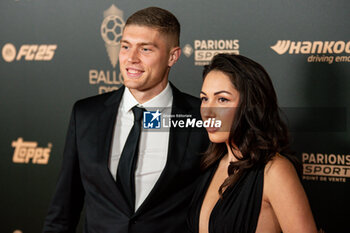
(257, 130)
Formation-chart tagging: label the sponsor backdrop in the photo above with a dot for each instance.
(56, 52)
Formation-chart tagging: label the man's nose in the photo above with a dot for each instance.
(133, 56)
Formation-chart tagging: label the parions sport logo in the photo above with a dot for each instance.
(318, 51)
(326, 167)
(111, 33)
(205, 50)
(28, 52)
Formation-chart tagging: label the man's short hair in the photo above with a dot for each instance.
(158, 18)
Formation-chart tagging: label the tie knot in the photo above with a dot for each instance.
(138, 113)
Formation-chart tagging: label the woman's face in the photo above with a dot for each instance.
(219, 100)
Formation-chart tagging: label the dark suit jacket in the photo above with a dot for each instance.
(85, 176)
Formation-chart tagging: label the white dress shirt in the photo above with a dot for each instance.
(153, 146)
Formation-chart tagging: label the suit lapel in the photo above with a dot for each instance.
(107, 121)
(178, 140)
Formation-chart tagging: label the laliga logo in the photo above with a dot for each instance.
(25, 151)
(111, 32)
(29, 52)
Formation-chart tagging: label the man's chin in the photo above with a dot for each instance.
(132, 83)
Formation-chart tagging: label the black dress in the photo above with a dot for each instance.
(238, 210)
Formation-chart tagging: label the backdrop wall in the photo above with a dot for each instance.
(56, 52)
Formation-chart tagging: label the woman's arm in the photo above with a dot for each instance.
(285, 193)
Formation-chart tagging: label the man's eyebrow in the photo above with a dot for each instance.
(140, 43)
(148, 43)
(124, 41)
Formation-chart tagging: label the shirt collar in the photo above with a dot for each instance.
(161, 101)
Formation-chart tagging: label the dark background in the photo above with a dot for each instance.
(36, 97)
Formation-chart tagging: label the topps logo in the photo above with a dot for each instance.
(33, 52)
(311, 47)
(26, 151)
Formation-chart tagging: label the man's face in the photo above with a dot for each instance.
(145, 59)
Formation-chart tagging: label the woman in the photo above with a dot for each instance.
(249, 185)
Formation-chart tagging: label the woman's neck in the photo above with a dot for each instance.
(231, 152)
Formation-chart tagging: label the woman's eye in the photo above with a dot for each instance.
(203, 98)
(222, 100)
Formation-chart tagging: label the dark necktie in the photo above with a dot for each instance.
(128, 159)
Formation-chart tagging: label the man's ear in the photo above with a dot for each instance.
(174, 56)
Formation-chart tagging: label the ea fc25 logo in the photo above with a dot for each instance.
(152, 119)
(34, 52)
(26, 151)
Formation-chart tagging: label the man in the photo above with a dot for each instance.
(152, 194)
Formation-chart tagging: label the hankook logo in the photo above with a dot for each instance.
(308, 47)
(321, 51)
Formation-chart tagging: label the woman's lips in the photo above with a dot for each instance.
(212, 129)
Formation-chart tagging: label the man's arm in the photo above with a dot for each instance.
(66, 205)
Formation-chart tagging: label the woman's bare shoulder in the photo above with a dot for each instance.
(284, 192)
(279, 166)
(280, 176)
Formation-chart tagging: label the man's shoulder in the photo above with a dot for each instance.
(192, 100)
(99, 101)
(182, 96)
(101, 98)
